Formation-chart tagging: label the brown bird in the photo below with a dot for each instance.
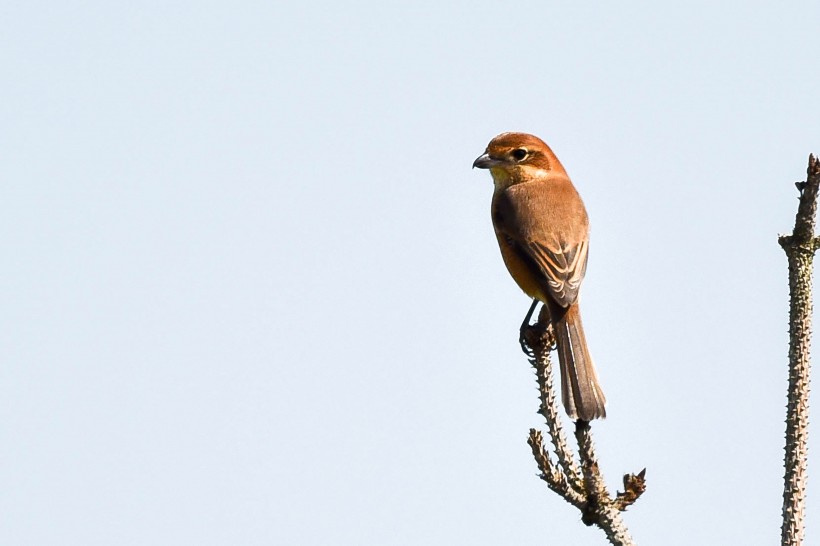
(543, 231)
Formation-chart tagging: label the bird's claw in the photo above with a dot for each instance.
(536, 335)
(522, 339)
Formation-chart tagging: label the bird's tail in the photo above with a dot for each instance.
(580, 389)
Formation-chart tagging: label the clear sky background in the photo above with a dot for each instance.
(250, 292)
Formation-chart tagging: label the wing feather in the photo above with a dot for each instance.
(563, 265)
(538, 224)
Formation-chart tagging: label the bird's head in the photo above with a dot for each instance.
(517, 157)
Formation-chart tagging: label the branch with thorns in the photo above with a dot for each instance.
(579, 482)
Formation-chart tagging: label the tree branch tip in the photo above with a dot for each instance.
(639, 478)
(634, 487)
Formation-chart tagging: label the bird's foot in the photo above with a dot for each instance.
(536, 335)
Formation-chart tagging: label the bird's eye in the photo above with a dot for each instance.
(519, 154)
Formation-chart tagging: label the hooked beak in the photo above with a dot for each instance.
(485, 162)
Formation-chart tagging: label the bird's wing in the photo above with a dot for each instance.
(546, 235)
(563, 265)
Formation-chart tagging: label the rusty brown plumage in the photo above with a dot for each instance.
(543, 232)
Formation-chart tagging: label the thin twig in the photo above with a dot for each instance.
(552, 474)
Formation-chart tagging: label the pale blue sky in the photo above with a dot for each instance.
(251, 293)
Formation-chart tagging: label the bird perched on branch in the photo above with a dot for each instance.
(543, 231)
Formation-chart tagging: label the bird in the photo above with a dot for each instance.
(542, 229)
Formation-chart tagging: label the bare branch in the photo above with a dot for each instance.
(549, 407)
(580, 482)
(800, 248)
(807, 209)
(550, 473)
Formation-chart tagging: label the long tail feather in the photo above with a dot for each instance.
(581, 391)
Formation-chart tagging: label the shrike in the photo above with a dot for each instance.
(543, 231)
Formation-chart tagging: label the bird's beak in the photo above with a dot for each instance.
(485, 162)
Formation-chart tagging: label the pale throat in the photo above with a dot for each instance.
(502, 179)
